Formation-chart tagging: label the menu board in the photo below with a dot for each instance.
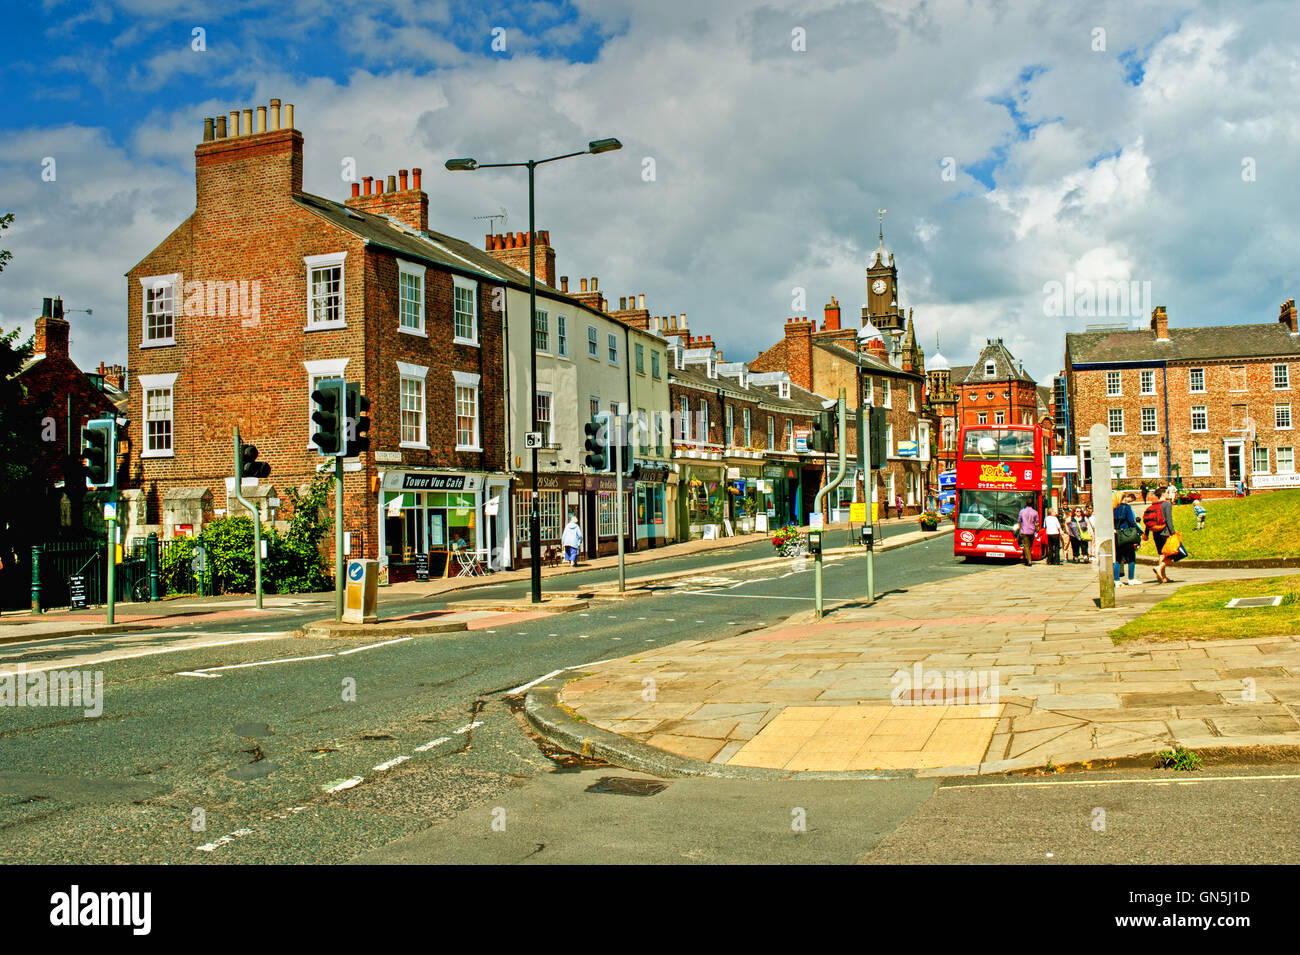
(422, 566)
(77, 592)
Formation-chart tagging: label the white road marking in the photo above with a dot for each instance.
(469, 726)
(395, 761)
(526, 686)
(206, 676)
(217, 844)
(207, 671)
(113, 658)
(432, 743)
(1116, 782)
(346, 784)
(709, 593)
(386, 643)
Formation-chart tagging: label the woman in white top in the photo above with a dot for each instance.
(1052, 528)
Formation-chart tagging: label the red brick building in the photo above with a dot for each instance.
(60, 398)
(263, 291)
(997, 390)
(1210, 406)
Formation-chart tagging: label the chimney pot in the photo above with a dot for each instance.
(584, 285)
(564, 283)
(221, 127)
(367, 180)
(47, 307)
(488, 242)
(275, 114)
(401, 175)
(379, 185)
(415, 177)
(288, 116)
(519, 240)
(622, 304)
(234, 123)
(356, 189)
(392, 183)
(544, 237)
(594, 285)
(510, 240)
(261, 119)
(207, 130)
(640, 300)
(58, 307)
(247, 124)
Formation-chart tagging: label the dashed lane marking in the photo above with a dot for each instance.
(395, 761)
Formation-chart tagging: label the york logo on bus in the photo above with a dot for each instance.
(997, 473)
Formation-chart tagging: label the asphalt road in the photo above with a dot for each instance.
(328, 751)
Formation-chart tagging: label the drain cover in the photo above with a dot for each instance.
(625, 786)
(252, 730)
(1236, 603)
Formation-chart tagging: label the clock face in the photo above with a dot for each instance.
(878, 286)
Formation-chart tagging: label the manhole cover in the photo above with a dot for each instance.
(624, 786)
(256, 770)
(252, 730)
(1237, 603)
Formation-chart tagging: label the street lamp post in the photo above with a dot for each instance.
(469, 165)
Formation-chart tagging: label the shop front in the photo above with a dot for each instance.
(558, 496)
(705, 492)
(600, 526)
(743, 482)
(425, 517)
(651, 507)
(781, 498)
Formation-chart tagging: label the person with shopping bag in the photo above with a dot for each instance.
(1158, 521)
(1127, 536)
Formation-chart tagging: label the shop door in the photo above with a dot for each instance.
(589, 529)
(1236, 467)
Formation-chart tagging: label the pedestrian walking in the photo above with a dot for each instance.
(1090, 533)
(1028, 519)
(1158, 524)
(1074, 528)
(1052, 528)
(1128, 534)
(572, 541)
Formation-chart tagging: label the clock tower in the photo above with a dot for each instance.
(882, 308)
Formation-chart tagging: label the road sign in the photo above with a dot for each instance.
(110, 512)
(199, 562)
(533, 439)
(801, 440)
(908, 449)
(816, 521)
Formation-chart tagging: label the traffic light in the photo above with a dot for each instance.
(357, 425)
(330, 399)
(597, 443)
(249, 466)
(99, 448)
(879, 446)
(823, 433)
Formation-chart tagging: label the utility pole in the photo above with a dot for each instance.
(817, 509)
(338, 538)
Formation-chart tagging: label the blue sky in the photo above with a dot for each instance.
(1116, 159)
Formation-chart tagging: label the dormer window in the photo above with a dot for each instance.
(783, 389)
(990, 369)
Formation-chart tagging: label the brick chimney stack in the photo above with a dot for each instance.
(832, 322)
(51, 338)
(798, 351)
(590, 294)
(404, 201)
(236, 167)
(1288, 317)
(632, 313)
(512, 249)
(1160, 323)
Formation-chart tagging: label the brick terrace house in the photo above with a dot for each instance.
(891, 370)
(60, 398)
(1211, 406)
(264, 290)
(734, 438)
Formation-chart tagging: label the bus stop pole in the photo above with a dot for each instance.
(868, 483)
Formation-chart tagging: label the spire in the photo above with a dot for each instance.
(909, 340)
(881, 255)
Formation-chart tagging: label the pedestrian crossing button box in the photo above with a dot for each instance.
(868, 537)
(815, 542)
(361, 592)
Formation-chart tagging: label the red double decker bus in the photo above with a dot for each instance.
(1000, 469)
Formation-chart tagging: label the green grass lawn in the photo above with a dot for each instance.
(1262, 525)
(1197, 612)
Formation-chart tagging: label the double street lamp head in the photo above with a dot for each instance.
(594, 147)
